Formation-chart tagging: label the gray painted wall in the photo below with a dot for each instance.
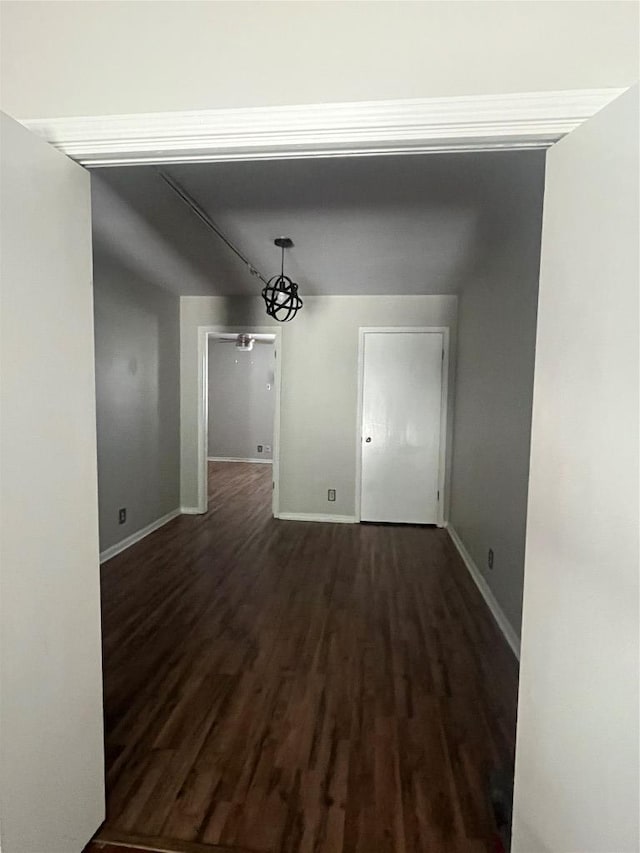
(241, 400)
(137, 340)
(494, 387)
(319, 386)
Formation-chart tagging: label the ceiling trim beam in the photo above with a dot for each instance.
(480, 123)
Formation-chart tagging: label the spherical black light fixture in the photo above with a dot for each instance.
(280, 293)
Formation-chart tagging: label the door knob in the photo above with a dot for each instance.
(368, 439)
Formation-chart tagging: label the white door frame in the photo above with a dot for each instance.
(204, 333)
(442, 468)
(466, 123)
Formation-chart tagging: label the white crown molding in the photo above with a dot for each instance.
(497, 612)
(479, 123)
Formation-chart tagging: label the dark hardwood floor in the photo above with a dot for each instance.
(282, 686)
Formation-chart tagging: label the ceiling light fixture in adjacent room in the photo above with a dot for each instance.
(280, 293)
(244, 343)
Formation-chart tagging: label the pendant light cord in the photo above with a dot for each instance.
(203, 216)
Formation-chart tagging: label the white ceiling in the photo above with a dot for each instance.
(368, 225)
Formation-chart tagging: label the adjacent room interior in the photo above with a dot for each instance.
(241, 401)
(240, 415)
(278, 676)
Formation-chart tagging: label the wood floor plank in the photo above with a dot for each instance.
(276, 686)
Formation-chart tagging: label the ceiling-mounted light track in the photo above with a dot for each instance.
(203, 216)
(279, 293)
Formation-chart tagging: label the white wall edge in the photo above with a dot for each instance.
(496, 611)
(121, 546)
(312, 516)
(472, 123)
(238, 459)
(191, 510)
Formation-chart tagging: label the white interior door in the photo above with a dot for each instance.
(51, 740)
(576, 786)
(401, 427)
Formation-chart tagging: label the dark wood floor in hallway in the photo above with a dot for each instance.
(282, 686)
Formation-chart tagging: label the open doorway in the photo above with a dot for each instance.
(263, 588)
(241, 398)
(281, 611)
(238, 407)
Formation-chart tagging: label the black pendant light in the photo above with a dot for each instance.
(280, 293)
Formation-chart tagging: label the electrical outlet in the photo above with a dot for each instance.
(331, 495)
(259, 448)
(122, 515)
(267, 448)
(490, 558)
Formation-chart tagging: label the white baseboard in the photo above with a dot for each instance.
(191, 510)
(108, 553)
(496, 611)
(312, 516)
(234, 459)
